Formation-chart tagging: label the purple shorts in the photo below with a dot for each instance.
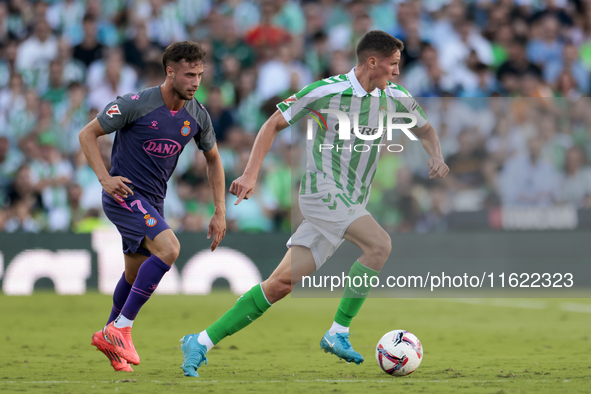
(135, 218)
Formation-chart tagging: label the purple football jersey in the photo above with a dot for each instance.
(150, 139)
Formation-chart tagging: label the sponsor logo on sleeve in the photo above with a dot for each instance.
(114, 110)
(291, 99)
(186, 129)
(135, 97)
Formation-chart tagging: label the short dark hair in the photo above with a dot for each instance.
(380, 42)
(88, 18)
(188, 51)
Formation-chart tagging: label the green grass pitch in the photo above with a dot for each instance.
(471, 346)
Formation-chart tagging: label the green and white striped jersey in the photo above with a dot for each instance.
(348, 165)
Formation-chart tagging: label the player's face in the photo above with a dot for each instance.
(385, 69)
(186, 78)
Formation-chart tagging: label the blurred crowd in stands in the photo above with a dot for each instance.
(504, 83)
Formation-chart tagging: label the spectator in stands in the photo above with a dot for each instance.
(228, 43)
(230, 77)
(278, 183)
(424, 77)
(72, 117)
(221, 117)
(24, 201)
(89, 49)
(435, 217)
(10, 160)
(8, 61)
(505, 142)
(248, 109)
(55, 92)
(281, 75)
(467, 171)
(503, 37)
(139, 50)
(77, 212)
(164, 22)
(23, 121)
(413, 44)
(4, 34)
(528, 179)
(517, 63)
(547, 46)
(566, 86)
(109, 79)
(266, 37)
(74, 69)
(20, 15)
(570, 62)
(340, 63)
(12, 98)
(531, 85)
(576, 184)
(51, 175)
(66, 16)
(35, 53)
(45, 121)
(255, 216)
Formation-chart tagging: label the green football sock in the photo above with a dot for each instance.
(354, 296)
(247, 309)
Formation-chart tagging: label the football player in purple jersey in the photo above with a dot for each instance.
(152, 128)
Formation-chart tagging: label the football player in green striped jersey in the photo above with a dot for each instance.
(334, 190)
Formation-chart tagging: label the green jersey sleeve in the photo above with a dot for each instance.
(315, 96)
(406, 103)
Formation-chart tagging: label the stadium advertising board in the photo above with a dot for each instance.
(475, 264)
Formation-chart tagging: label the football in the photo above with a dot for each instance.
(399, 353)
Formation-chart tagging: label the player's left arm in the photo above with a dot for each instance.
(216, 177)
(430, 141)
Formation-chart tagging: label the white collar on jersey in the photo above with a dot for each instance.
(357, 88)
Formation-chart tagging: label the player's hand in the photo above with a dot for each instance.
(437, 168)
(116, 187)
(243, 188)
(217, 228)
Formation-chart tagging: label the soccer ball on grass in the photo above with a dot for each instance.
(399, 353)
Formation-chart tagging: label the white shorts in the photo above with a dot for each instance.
(328, 214)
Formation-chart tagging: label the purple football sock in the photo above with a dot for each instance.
(148, 277)
(119, 297)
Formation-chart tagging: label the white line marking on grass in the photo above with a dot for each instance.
(574, 307)
(511, 303)
(192, 381)
(43, 382)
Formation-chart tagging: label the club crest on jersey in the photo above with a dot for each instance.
(150, 221)
(114, 110)
(186, 129)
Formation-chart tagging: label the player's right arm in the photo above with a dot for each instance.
(114, 186)
(243, 187)
(289, 111)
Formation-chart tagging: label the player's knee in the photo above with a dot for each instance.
(276, 289)
(170, 252)
(130, 277)
(381, 248)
